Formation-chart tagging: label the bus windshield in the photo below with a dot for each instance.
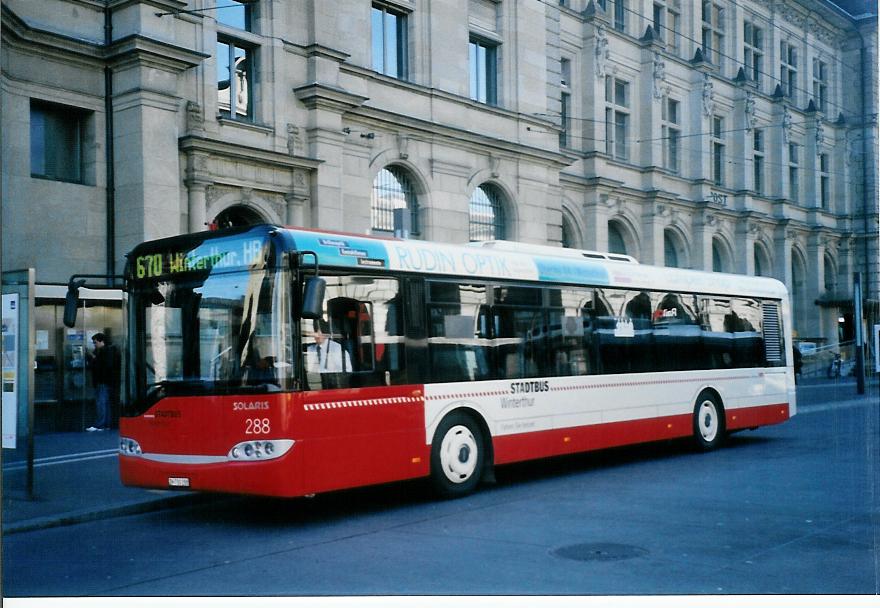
(212, 330)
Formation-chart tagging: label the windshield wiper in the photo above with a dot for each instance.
(154, 387)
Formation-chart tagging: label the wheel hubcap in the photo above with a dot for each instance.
(708, 420)
(458, 454)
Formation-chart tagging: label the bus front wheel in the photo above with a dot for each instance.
(708, 422)
(456, 456)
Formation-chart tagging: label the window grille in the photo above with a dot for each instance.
(393, 189)
(486, 215)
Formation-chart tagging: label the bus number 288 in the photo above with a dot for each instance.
(257, 426)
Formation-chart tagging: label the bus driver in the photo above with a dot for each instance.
(325, 355)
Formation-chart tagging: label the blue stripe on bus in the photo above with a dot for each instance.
(355, 252)
(343, 250)
(570, 271)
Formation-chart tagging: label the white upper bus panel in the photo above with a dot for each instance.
(543, 263)
(553, 251)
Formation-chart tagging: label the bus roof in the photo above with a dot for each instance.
(540, 263)
(510, 261)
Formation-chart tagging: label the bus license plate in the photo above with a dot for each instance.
(178, 482)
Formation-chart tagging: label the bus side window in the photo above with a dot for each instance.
(678, 340)
(457, 332)
(520, 333)
(570, 327)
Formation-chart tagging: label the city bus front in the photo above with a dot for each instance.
(211, 365)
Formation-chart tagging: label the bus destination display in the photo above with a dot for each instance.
(218, 255)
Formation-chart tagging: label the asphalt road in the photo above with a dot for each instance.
(789, 509)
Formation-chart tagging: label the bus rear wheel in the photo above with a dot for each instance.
(708, 422)
(456, 456)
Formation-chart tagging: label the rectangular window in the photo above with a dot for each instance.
(565, 115)
(671, 132)
(236, 13)
(565, 103)
(718, 160)
(459, 344)
(57, 142)
(519, 329)
(824, 182)
(616, 118)
(820, 84)
(788, 69)
(758, 161)
(362, 335)
(732, 332)
(389, 44)
(658, 21)
(793, 170)
(483, 72)
(753, 51)
(713, 31)
(235, 73)
(570, 334)
(620, 15)
(673, 27)
(565, 72)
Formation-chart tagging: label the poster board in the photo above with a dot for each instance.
(10, 354)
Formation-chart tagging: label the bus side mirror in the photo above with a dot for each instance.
(313, 298)
(71, 301)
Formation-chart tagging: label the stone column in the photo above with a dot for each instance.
(704, 226)
(146, 107)
(197, 204)
(814, 284)
(327, 103)
(655, 218)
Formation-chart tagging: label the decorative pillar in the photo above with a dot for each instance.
(197, 203)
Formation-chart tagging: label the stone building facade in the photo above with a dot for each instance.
(731, 135)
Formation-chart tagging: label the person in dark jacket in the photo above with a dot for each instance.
(105, 379)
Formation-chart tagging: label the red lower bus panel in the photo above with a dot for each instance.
(516, 448)
(281, 477)
(749, 417)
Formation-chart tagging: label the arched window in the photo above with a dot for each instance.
(830, 276)
(487, 220)
(762, 262)
(719, 257)
(670, 252)
(570, 234)
(237, 215)
(616, 244)
(798, 291)
(393, 189)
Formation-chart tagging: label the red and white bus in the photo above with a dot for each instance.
(455, 359)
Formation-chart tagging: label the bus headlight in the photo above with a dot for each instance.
(129, 447)
(265, 449)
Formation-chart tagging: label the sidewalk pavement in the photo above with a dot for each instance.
(76, 475)
(75, 479)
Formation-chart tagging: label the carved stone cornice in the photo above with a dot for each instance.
(136, 49)
(317, 95)
(192, 144)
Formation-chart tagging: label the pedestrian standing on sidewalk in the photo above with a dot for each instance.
(105, 379)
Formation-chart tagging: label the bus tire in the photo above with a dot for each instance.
(709, 427)
(457, 455)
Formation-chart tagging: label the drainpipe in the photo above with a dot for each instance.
(866, 292)
(108, 149)
(863, 293)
